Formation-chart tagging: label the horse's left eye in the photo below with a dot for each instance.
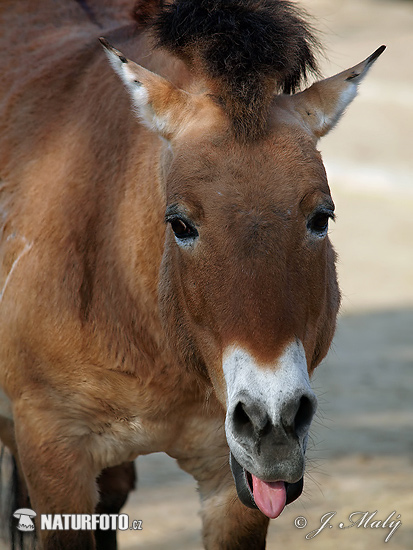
(318, 223)
(183, 229)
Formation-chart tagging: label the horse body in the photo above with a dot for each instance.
(122, 335)
(63, 200)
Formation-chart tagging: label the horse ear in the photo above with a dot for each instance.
(323, 104)
(157, 101)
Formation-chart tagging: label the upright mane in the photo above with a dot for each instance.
(246, 50)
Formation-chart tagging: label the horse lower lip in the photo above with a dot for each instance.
(249, 479)
(294, 490)
(242, 476)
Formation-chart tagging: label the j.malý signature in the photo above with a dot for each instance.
(360, 519)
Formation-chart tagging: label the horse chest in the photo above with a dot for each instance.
(123, 439)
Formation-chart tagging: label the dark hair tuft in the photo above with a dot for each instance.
(247, 49)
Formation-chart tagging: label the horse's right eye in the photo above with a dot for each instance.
(318, 223)
(183, 229)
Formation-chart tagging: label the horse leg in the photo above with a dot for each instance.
(226, 523)
(7, 434)
(114, 485)
(19, 496)
(58, 472)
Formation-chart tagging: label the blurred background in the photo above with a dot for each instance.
(361, 453)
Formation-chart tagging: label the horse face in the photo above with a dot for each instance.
(248, 289)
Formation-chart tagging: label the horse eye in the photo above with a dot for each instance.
(318, 223)
(182, 229)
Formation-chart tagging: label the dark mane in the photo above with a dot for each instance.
(246, 49)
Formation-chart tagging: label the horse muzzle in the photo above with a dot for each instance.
(269, 412)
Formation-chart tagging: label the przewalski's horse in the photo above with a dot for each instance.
(167, 282)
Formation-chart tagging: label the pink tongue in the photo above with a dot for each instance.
(270, 497)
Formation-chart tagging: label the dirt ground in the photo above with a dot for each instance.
(361, 458)
(361, 455)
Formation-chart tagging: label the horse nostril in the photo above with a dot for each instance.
(242, 422)
(250, 419)
(304, 415)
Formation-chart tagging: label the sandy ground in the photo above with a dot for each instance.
(361, 454)
(361, 458)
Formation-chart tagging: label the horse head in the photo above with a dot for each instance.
(248, 289)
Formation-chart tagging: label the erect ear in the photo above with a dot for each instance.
(160, 105)
(322, 105)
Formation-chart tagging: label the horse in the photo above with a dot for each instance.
(167, 282)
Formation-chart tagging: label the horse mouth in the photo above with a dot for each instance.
(269, 497)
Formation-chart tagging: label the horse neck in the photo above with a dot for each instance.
(83, 165)
(128, 197)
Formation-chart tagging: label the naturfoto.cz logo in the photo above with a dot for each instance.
(77, 522)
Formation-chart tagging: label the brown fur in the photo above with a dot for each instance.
(145, 10)
(111, 335)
